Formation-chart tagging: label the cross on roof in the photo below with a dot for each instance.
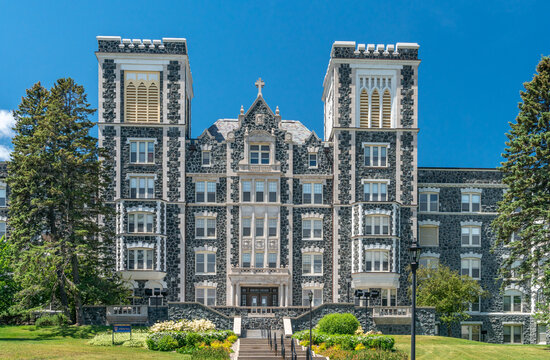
(259, 84)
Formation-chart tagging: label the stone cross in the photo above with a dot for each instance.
(259, 84)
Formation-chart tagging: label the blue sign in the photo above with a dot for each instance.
(122, 328)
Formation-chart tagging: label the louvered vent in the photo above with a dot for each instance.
(375, 112)
(364, 109)
(386, 110)
(142, 97)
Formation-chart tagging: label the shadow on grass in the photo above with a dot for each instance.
(75, 332)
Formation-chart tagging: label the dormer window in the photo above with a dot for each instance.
(312, 160)
(206, 158)
(259, 154)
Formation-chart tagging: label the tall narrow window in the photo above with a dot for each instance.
(364, 109)
(2, 228)
(386, 109)
(247, 224)
(259, 227)
(272, 191)
(375, 109)
(142, 96)
(206, 158)
(247, 189)
(246, 260)
(259, 260)
(260, 191)
(272, 260)
(312, 161)
(272, 227)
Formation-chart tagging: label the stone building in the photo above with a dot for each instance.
(259, 211)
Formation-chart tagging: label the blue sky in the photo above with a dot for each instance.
(475, 57)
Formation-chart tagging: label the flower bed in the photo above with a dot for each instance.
(197, 338)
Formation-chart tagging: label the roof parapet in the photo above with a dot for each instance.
(351, 50)
(114, 44)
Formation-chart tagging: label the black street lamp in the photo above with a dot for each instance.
(367, 295)
(349, 284)
(415, 258)
(310, 297)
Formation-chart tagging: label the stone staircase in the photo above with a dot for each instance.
(256, 346)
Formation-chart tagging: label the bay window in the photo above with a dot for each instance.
(377, 260)
(140, 259)
(377, 225)
(140, 222)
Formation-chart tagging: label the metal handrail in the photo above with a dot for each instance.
(283, 347)
(269, 338)
(309, 355)
(293, 354)
(275, 342)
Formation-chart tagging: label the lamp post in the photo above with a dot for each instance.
(310, 297)
(349, 284)
(415, 257)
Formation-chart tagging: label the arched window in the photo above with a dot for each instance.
(142, 96)
(375, 109)
(364, 109)
(386, 109)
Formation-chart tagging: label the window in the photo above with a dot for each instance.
(312, 229)
(205, 263)
(272, 227)
(247, 224)
(2, 229)
(429, 262)
(140, 259)
(142, 187)
(259, 227)
(471, 236)
(512, 334)
(2, 197)
(142, 96)
(205, 227)
(377, 260)
(317, 297)
(375, 102)
(206, 158)
(246, 260)
(375, 191)
(260, 191)
(205, 191)
(376, 156)
(512, 301)
(312, 193)
(428, 235)
(429, 202)
(377, 225)
(389, 297)
(205, 296)
(259, 262)
(312, 264)
(541, 334)
(272, 260)
(312, 160)
(471, 332)
(140, 223)
(471, 202)
(259, 154)
(475, 306)
(272, 191)
(142, 152)
(471, 267)
(515, 270)
(247, 189)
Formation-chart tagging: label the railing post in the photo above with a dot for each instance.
(282, 347)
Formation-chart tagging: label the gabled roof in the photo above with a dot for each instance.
(222, 127)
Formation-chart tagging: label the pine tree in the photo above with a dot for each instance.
(56, 210)
(524, 212)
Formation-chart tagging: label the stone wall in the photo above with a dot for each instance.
(191, 311)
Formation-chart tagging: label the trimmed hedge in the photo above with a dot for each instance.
(338, 324)
(51, 320)
(187, 339)
(347, 342)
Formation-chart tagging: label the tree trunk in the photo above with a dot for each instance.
(63, 291)
(77, 298)
(449, 330)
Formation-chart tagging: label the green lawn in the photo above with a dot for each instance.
(444, 348)
(28, 342)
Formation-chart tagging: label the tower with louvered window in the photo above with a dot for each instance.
(370, 98)
(145, 92)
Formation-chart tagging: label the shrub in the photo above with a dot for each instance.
(167, 343)
(193, 339)
(232, 339)
(346, 342)
(188, 339)
(339, 324)
(51, 320)
(197, 325)
(209, 353)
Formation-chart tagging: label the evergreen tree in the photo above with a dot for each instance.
(447, 291)
(56, 211)
(524, 212)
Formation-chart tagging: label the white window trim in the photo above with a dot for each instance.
(388, 252)
(312, 183)
(312, 254)
(312, 233)
(145, 249)
(145, 140)
(387, 145)
(206, 218)
(428, 204)
(206, 288)
(206, 252)
(316, 160)
(202, 158)
(137, 212)
(377, 181)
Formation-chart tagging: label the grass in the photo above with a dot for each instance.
(439, 347)
(67, 342)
